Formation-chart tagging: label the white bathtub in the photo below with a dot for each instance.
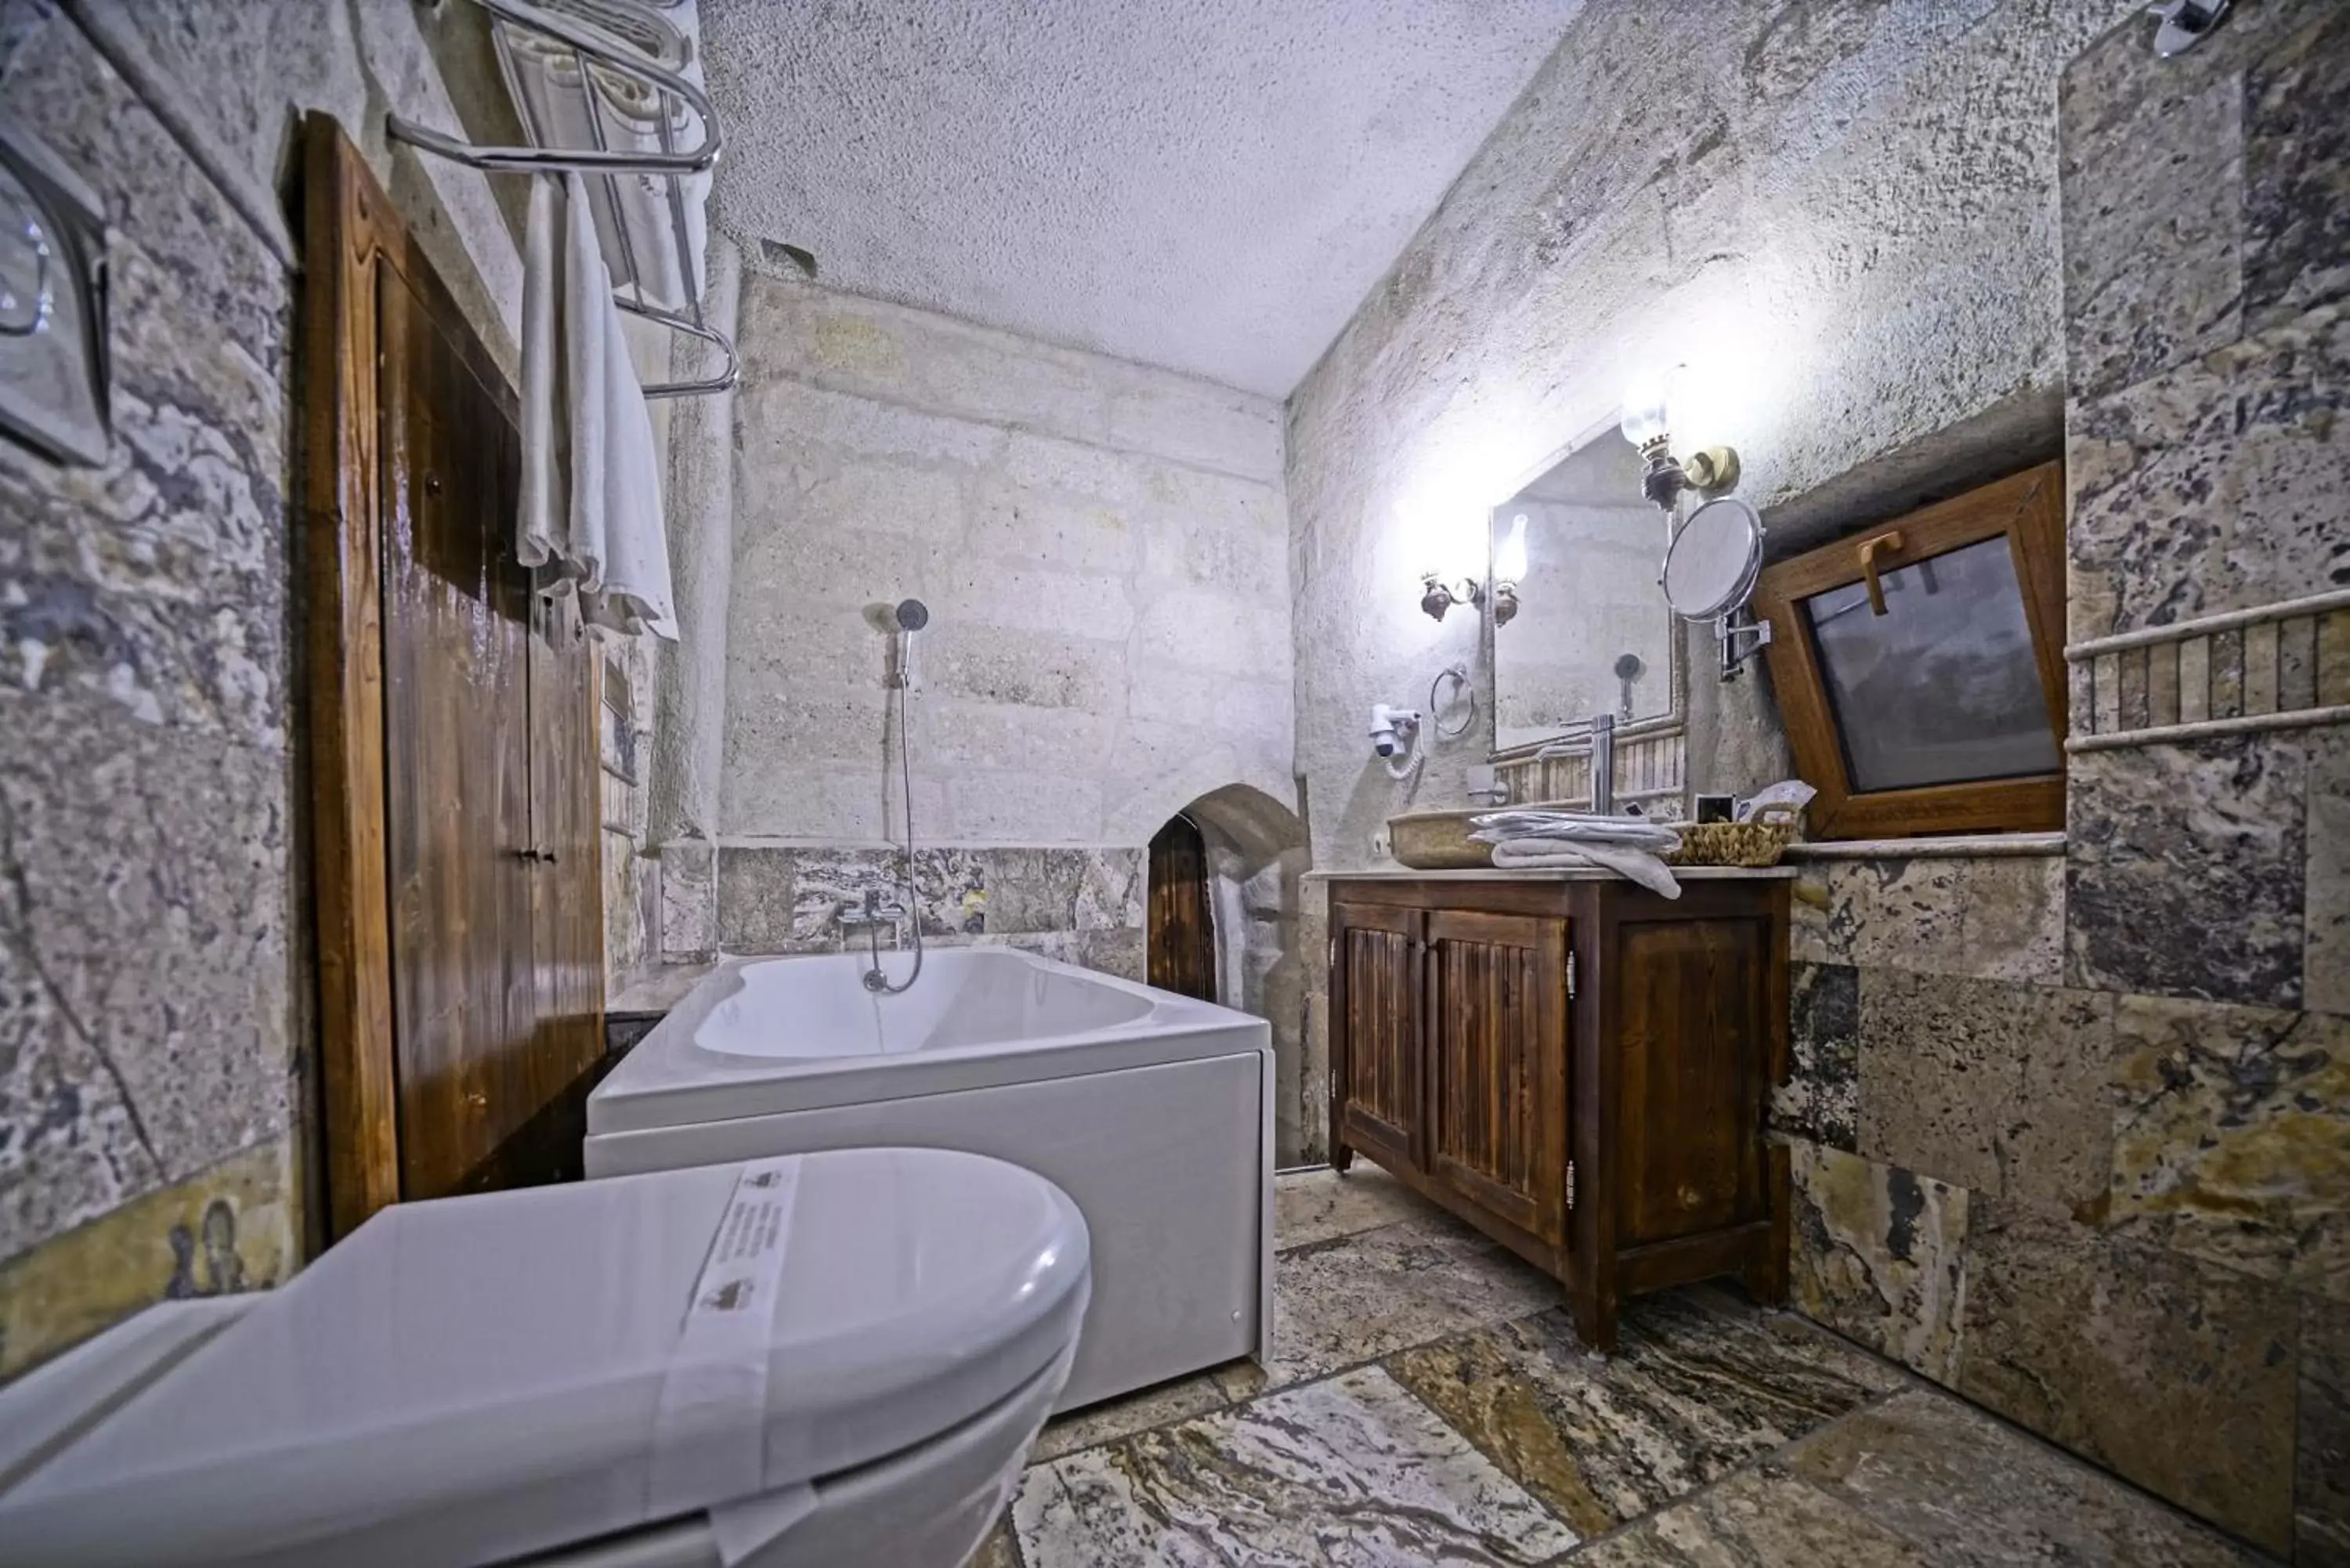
(1153, 1111)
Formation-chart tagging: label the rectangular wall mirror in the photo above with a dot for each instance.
(1591, 634)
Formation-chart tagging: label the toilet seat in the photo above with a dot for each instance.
(476, 1378)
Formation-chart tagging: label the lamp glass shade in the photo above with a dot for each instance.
(1646, 416)
(1510, 552)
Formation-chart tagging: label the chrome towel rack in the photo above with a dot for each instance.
(590, 44)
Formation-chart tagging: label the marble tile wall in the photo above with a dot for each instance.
(148, 945)
(154, 973)
(630, 877)
(2094, 1211)
(2073, 1135)
(1084, 905)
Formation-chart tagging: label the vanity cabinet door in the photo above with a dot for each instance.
(1375, 1021)
(1495, 988)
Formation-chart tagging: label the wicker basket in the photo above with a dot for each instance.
(1756, 842)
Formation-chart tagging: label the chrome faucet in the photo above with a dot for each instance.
(1602, 764)
(1601, 749)
(874, 913)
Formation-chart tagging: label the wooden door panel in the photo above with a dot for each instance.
(460, 985)
(1375, 1008)
(1181, 946)
(567, 1053)
(1496, 1068)
(1694, 1043)
(457, 729)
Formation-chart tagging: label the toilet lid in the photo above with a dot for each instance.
(478, 1378)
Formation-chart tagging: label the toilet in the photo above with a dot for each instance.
(838, 1358)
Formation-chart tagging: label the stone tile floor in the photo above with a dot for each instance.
(1428, 1405)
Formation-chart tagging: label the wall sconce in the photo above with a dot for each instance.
(1508, 570)
(1439, 595)
(53, 359)
(1648, 425)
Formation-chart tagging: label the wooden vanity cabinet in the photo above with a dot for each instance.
(1577, 1067)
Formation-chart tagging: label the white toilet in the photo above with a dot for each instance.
(516, 1374)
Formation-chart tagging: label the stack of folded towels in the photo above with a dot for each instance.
(1628, 846)
(636, 228)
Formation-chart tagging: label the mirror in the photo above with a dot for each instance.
(1588, 635)
(1712, 564)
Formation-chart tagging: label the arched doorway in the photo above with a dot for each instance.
(1182, 935)
(1225, 904)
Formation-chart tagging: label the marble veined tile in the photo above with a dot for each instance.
(1697, 1387)
(2176, 1373)
(1352, 1472)
(1968, 1490)
(2231, 1136)
(1761, 1519)
(1160, 1404)
(1820, 1098)
(1879, 1256)
(1000, 1550)
(1362, 1297)
(1313, 1206)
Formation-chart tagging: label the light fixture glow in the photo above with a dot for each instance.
(1510, 554)
(1647, 414)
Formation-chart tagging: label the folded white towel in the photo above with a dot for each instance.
(1573, 827)
(555, 103)
(650, 205)
(636, 214)
(1550, 854)
(591, 507)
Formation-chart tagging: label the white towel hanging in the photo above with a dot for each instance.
(591, 507)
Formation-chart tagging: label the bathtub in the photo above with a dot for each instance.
(1153, 1111)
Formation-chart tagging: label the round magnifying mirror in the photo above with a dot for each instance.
(1714, 560)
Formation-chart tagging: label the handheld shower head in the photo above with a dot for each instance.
(911, 614)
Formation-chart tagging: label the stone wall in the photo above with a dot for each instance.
(2069, 1129)
(155, 988)
(2074, 1136)
(1103, 550)
(1843, 218)
(1101, 547)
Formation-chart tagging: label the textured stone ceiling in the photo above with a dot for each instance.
(1210, 185)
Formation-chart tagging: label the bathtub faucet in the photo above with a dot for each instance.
(874, 913)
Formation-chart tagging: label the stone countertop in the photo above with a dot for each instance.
(654, 988)
(1957, 846)
(1560, 874)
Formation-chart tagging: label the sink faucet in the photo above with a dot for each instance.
(1602, 764)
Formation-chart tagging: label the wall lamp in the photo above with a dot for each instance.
(1508, 570)
(1648, 425)
(1439, 593)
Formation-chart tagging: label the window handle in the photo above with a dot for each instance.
(1890, 541)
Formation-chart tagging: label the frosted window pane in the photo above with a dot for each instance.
(1942, 688)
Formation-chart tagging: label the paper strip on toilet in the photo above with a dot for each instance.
(709, 1430)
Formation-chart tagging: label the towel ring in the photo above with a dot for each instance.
(1460, 676)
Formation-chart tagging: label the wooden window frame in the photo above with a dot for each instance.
(2028, 508)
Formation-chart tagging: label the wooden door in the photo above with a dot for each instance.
(453, 752)
(1375, 1031)
(1182, 931)
(1496, 1065)
(456, 619)
(1694, 1047)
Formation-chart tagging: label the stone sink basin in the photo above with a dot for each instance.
(1438, 841)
